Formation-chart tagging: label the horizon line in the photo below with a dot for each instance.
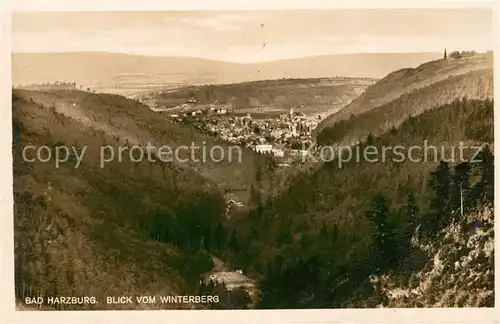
(239, 62)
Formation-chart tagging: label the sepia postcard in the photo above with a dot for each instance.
(296, 164)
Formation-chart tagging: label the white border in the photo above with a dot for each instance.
(110, 5)
(9, 315)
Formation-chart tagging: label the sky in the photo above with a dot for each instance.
(254, 36)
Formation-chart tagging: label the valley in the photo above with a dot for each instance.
(309, 236)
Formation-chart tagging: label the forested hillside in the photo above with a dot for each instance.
(406, 82)
(459, 273)
(473, 85)
(338, 236)
(318, 244)
(128, 228)
(128, 122)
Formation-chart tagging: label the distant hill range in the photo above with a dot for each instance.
(309, 96)
(128, 74)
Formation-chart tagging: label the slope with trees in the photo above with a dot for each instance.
(128, 228)
(131, 123)
(319, 243)
(406, 82)
(474, 85)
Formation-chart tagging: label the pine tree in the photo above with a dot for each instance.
(234, 242)
(284, 236)
(384, 234)
(255, 196)
(487, 173)
(207, 238)
(459, 186)
(219, 238)
(440, 202)
(411, 214)
(334, 235)
(369, 139)
(305, 240)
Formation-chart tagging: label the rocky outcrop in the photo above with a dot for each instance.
(460, 272)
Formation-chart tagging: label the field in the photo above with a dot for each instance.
(309, 96)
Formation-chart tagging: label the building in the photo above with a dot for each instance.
(232, 280)
(303, 152)
(278, 152)
(247, 119)
(263, 148)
